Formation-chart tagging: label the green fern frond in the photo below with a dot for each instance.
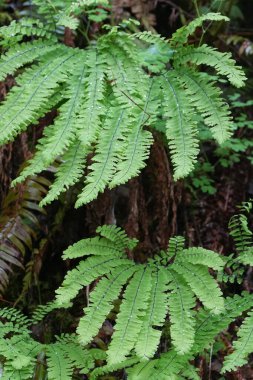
(169, 365)
(10, 373)
(34, 97)
(181, 301)
(42, 311)
(181, 129)
(243, 346)
(176, 245)
(101, 301)
(92, 112)
(106, 101)
(208, 326)
(117, 236)
(202, 284)
(207, 99)
(94, 246)
(78, 356)
(106, 155)
(156, 311)
(86, 272)
(199, 255)
(68, 173)
(181, 35)
(15, 32)
(137, 141)
(129, 321)
(104, 370)
(58, 365)
(242, 235)
(207, 55)
(246, 257)
(22, 54)
(58, 138)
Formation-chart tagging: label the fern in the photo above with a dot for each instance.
(106, 99)
(206, 55)
(181, 35)
(243, 346)
(21, 226)
(151, 291)
(240, 231)
(23, 355)
(208, 326)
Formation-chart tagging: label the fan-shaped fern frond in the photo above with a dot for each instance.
(106, 97)
(150, 291)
